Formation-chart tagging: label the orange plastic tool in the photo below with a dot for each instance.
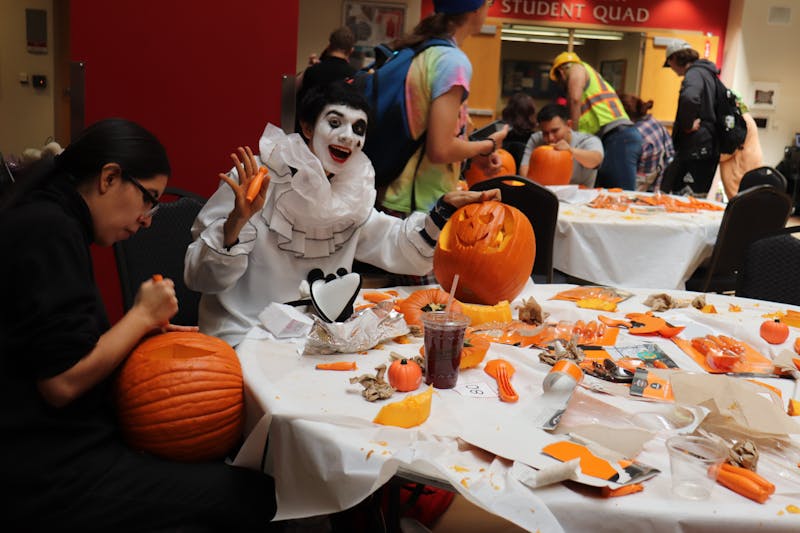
(255, 185)
(502, 370)
(591, 465)
(338, 365)
(156, 278)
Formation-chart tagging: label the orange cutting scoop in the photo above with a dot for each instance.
(255, 185)
(501, 370)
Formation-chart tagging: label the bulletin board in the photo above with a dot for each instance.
(529, 77)
(372, 24)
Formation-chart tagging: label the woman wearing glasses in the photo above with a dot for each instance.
(60, 450)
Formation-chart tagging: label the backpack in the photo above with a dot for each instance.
(389, 144)
(730, 124)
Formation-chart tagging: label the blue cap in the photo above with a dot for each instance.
(452, 7)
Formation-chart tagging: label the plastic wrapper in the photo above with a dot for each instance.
(362, 331)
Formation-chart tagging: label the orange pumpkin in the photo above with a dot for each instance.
(491, 246)
(797, 345)
(179, 395)
(475, 348)
(477, 173)
(423, 300)
(405, 375)
(549, 166)
(774, 331)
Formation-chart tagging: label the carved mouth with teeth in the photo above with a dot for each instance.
(339, 153)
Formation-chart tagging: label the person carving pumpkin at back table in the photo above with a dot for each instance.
(595, 108)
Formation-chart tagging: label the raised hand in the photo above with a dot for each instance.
(247, 170)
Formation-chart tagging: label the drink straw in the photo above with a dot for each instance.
(448, 307)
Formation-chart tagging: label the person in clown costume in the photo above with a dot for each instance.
(314, 211)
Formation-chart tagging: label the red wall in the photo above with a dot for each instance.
(204, 77)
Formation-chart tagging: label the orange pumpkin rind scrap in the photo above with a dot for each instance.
(411, 411)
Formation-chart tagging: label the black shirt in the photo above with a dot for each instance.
(52, 316)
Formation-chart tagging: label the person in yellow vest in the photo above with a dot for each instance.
(595, 107)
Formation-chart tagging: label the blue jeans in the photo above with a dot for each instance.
(622, 147)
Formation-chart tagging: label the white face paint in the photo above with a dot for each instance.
(338, 134)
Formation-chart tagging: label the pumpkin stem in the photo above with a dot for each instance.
(403, 361)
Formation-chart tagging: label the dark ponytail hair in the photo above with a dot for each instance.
(440, 25)
(137, 151)
(518, 112)
(635, 106)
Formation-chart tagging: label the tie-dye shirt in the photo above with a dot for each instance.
(432, 73)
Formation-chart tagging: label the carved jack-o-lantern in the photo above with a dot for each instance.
(491, 246)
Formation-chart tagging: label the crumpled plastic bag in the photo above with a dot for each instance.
(362, 331)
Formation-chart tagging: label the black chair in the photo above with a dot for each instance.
(6, 177)
(763, 176)
(517, 150)
(160, 249)
(769, 271)
(540, 205)
(749, 215)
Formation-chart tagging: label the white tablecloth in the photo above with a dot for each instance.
(621, 248)
(327, 455)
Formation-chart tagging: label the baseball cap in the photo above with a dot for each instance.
(456, 6)
(675, 46)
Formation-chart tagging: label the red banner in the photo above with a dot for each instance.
(707, 16)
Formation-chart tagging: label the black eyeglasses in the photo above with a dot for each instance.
(147, 196)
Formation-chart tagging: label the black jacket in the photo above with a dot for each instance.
(697, 99)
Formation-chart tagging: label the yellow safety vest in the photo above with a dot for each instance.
(600, 105)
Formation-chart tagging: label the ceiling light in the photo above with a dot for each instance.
(562, 33)
(543, 40)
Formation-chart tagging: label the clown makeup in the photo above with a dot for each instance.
(338, 134)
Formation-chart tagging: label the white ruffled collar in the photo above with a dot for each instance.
(312, 215)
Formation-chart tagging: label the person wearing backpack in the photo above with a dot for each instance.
(694, 132)
(436, 88)
(733, 167)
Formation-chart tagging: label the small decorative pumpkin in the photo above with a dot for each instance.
(797, 346)
(179, 395)
(491, 246)
(549, 166)
(405, 375)
(424, 300)
(475, 348)
(476, 173)
(774, 331)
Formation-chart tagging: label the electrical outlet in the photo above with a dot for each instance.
(39, 81)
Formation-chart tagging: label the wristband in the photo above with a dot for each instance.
(494, 147)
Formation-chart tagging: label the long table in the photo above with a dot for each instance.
(644, 248)
(326, 454)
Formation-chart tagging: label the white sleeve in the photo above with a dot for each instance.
(209, 266)
(398, 245)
